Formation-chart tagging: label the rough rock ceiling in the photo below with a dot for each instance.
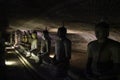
(40, 13)
(66, 8)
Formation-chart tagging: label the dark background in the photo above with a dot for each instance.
(79, 17)
(75, 10)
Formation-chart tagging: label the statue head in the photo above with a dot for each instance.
(102, 31)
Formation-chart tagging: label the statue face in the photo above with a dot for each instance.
(43, 36)
(61, 33)
(101, 33)
(33, 36)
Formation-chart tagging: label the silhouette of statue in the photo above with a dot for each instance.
(45, 47)
(62, 52)
(103, 55)
(29, 40)
(29, 37)
(34, 42)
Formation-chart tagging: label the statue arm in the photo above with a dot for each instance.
(47, 49)
(34, 46)
(116, 60)
(68, 50)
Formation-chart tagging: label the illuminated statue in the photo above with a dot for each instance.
(103, 55)
(24, 38)
(34, 47)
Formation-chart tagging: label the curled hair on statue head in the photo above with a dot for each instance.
(34, 32)
(29, 32)
(45, 31)
(46, 34)
(62, 31)
(102, 25)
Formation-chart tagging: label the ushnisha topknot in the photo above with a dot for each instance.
(45, 31)
(102, 25)
(34, 32)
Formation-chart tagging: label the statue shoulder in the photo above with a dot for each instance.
(92, 43)
(114, 43)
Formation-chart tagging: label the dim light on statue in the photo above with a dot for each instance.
(10, 63)
(51, 55)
